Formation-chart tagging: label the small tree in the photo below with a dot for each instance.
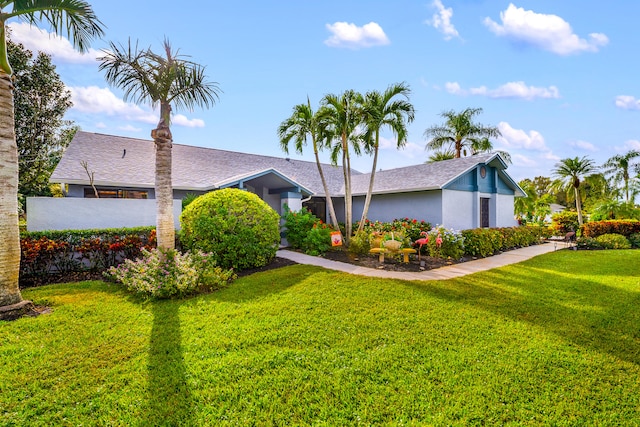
(40, 102)
(570, 173)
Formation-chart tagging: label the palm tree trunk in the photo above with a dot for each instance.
(9, 228)
(346, 169)
(367, 200)
(165, 228)
(578, 205)
(332, 211)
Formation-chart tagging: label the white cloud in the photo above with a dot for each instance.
(454, 88)
(100, 125)
(508, 90)
(96, 100)
(351, 36)
(181, 120)
(58, 47)
(548, 32)
(441, 20)
(583, 145)
(519, 139)
(129, 128)
(632, 144)
(410, 150)
(627, 102)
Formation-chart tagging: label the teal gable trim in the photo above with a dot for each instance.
(486, 184)
(466, 182)
(503, 188)
(473, 181)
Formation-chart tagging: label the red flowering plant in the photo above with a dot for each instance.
(43, 256)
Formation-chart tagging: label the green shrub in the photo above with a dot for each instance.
(318, 240)
(477, 243)
(564, 222)
(613, 241)
(484, 242)
(307, 232)
(163, 273)
(190, 197)
(360, 243)
(237, 227)
(588, 243)
(634, 239)
(297, 226)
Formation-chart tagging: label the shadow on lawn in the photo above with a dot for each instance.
(169, 400)
(586, 313)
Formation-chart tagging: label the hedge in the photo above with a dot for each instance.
(626, 227)
(45, 252)
(483, 242)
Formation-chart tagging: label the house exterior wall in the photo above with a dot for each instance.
(67, 213)
(421, 205)
(460, 209)
(504, 211)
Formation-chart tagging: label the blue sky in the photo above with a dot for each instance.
(559, 78)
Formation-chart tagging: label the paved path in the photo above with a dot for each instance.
(449, 272)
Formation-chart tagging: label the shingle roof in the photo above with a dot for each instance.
(426, 176)
(193, 168)
(129, 162)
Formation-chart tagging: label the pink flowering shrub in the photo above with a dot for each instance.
(163, 274)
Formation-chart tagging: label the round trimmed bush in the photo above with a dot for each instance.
(613, 241)
(240, 229)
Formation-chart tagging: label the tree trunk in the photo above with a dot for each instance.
(9, 229)
(578, 205)
(332, 211)
(367, 200)
(165, 228)
(346, 170)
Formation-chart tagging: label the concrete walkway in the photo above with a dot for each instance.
(449, 272)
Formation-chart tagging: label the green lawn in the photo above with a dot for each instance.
(554, 340)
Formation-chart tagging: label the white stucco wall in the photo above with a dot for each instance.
(69, 213)
(460, 209)
(504, 211)
(421, 205)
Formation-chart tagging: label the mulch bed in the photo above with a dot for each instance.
(391, 263)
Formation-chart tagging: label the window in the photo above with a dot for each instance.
(112, 193)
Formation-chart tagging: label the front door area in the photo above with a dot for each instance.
(484, 212)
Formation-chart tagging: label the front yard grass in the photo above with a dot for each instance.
(554, 340)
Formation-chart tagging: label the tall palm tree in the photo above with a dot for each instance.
(302, 123)
(76, 19)
(460, 133)
(167, 81)
(342, 115)
(438, 156)
(571, 173)
(618, 168)
(380, 110)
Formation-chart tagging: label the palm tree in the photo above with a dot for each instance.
(618, 167)
(342, 115)
(76, 19)
(380, 110)
(571, 173)
(438, 156)
(459, 133)
(302, 123)
(169, 80)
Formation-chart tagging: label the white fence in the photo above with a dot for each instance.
(70, 213)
